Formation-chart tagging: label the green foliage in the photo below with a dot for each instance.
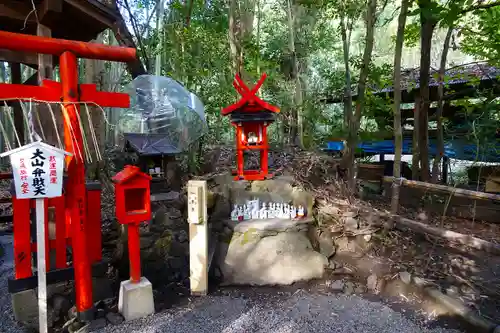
(198, 55)
(482, 38)
(412, 34)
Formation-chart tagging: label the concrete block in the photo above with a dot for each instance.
(136, 299)
(25, 307)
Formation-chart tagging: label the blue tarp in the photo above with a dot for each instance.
(453, 149)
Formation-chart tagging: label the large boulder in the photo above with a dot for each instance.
(271, 252)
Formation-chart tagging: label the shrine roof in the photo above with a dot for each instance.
(250, 106)
(460, 82)
(249, 101)
(150, 144)
(80, 20)
(128, 173)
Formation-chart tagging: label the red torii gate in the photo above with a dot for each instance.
(70, 93)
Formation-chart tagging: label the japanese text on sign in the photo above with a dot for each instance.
(37, 169)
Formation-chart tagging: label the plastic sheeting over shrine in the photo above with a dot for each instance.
(162, 110)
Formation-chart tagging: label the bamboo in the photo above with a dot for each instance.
(458, 192)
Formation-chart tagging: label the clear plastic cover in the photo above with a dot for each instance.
(162, 106)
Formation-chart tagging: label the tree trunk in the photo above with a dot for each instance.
(247, 16)
(233, 38)
(428, 23)
(43, 120)
(94, 125)
(125, 38)
(159, 20)
(398, 130)
(415, 159)
(348, 93)
(296, 133)
(112, 79)
(363, 76)
(439, 114)
(257, 59)
(17, 77)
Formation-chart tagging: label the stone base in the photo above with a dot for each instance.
(136, 299)
(25, 307)
(271, 252)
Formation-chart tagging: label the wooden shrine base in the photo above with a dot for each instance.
(252, 175)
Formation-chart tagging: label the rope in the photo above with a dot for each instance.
(37, 115)
(13, 126)
(62, 103)
(29, 121)
(84, 139)
(55, 126)
(4, 132)
(72, 132)
(93, 135)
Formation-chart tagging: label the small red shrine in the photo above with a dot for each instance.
(133, 206)
(251, 116)
(132, 192)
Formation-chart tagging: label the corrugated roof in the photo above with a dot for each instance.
(150, 144)
(410, 79)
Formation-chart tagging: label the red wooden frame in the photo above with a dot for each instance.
(23, 246)
(69, 92)
(251, 105)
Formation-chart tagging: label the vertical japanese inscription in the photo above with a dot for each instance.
(23, 176)
(38, 183)
(53, 169)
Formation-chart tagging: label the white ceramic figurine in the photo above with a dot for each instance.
(234, 213)
(263, 212)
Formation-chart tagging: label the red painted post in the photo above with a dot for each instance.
(76, 191)
(22, 238)
(134, 252)
(58, 204)
(240, 159)
(94, 235)
(264, 153)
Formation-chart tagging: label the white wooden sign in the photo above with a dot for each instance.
(37, 169)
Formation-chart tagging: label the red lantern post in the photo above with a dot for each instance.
(133, 206)
(251, 116)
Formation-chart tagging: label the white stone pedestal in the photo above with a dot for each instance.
(136, 299)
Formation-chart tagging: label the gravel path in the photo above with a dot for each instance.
(275, 312)
(301, 312)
